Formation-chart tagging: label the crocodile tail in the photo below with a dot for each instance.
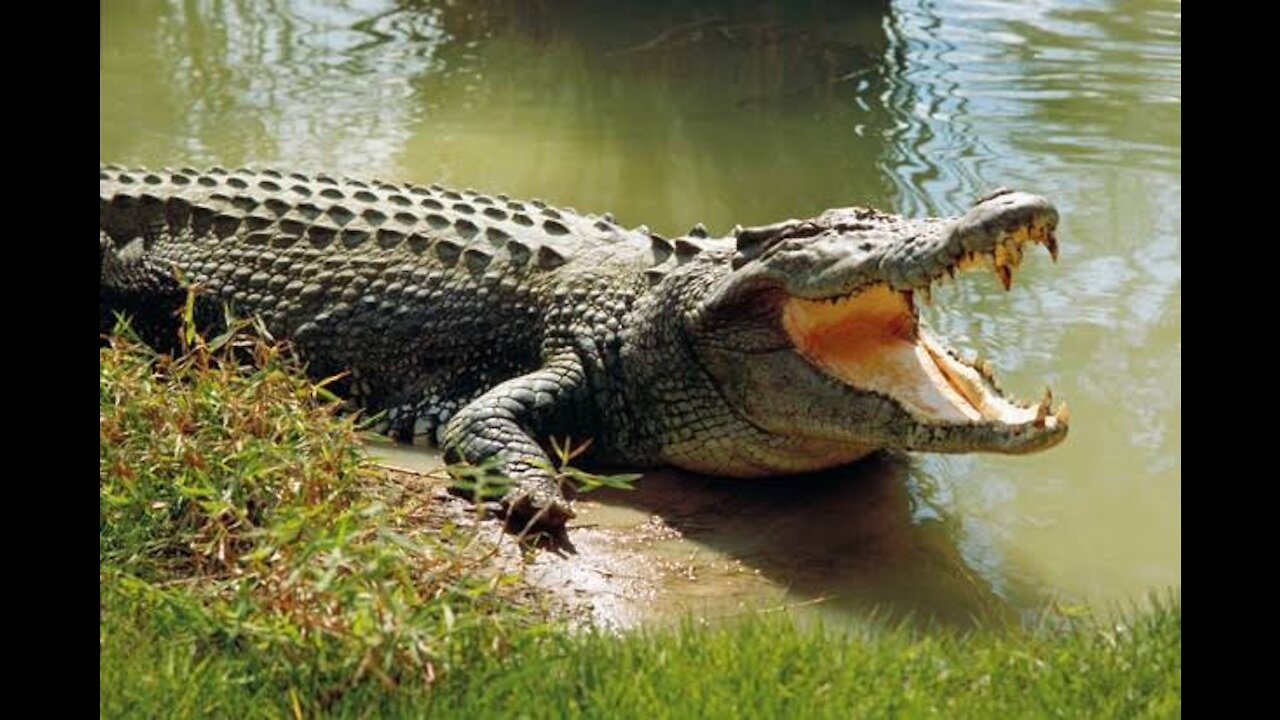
(130, 284)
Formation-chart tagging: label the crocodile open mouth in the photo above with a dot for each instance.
(872, 339)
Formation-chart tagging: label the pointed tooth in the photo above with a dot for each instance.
(1042, 411)
(1014, 250)
(926, 294)
(984, 367)
(1063, 414)
(1051, 242)
(1006, 275)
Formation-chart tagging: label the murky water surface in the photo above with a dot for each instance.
(670, 113)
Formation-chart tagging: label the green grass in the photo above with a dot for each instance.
(762, 667)
(237, 518)
(251, 566)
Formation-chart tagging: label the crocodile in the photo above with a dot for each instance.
(489, 325)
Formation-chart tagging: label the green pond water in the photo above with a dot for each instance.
(670, 113)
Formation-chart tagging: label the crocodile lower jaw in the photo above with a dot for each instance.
(873, 341)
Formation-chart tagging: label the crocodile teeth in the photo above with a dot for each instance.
(1051, 242)
(1013, 249)
(1042, 411)
(926, 294)
(984, 367)
(1006, 275)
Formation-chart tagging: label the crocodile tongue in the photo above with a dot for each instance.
(873, 341)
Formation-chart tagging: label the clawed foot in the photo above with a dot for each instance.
(534, 515)
(538, 521)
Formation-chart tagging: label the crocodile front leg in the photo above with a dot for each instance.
(501, 423)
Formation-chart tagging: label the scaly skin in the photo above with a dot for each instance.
(489, 324)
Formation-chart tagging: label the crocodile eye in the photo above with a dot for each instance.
(755, 241)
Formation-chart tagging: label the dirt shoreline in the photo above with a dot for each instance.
(606, 583)
(855, 546)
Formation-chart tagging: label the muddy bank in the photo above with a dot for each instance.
(848, 546)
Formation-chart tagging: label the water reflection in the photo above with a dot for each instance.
(849, 543)
(308, 85)
(721, 113)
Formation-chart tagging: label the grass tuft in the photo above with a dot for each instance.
(238, 519)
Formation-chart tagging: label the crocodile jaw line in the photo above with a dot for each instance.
(872, 340)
